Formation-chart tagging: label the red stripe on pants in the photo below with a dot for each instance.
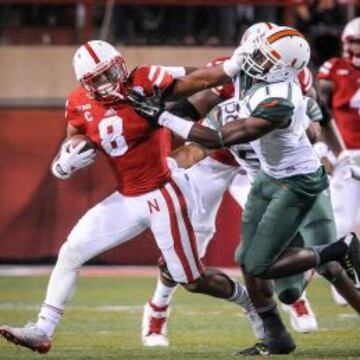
(175, 232)
(188, 225)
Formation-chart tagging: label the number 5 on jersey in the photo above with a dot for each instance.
(112, 140)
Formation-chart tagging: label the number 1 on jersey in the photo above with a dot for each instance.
(112, 140)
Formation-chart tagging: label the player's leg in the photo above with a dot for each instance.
(288, 208)
(176, 239)
(240, 189)
(345, 197)
(319, 229)
(209, 179)
(277, 339)
(108, 224)
(302, 318)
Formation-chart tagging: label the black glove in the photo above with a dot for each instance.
(150, 107)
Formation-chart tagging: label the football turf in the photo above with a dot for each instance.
(104, 318)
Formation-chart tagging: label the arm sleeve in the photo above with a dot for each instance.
(313, 110)
(306, 79)
(275, 110)
(149, 76)
(327, 69)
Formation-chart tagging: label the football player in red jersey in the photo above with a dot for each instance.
(339, 86)
(148, 194)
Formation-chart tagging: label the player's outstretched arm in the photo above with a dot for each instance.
(236, 132)
(208, 77)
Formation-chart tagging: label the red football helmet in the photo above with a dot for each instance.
(101, 70)
(351, 41)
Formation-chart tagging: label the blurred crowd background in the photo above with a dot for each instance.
(37, 42)
(168, 22)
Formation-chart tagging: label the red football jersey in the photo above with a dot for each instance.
(345, 101)
(136, 151)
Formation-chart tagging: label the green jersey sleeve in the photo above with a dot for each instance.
(274, 109)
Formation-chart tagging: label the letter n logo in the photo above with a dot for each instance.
(153, 205)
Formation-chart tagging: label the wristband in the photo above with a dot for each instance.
(177, 125)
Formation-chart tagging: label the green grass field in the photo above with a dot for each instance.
(103, 322)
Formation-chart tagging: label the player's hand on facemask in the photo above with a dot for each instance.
(71, 158)
(233, 65)
(149, 107)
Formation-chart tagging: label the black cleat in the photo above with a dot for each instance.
(258, 349)
(281, 346)
(351, 261)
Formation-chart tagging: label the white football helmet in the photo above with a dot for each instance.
(101, 70)
(350, 39)
(278, 55)
(256, 30)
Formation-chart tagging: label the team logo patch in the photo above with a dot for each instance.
(84, 107)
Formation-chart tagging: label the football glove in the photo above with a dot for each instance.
(71, 159)
(233, 65)
(150, 107)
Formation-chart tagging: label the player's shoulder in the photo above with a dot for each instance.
(273, 100)
(289, 90)
(330, 67)
(78, 94)
(306, 79)
(148, 76)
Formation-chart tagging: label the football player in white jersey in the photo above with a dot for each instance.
(288, 199)
(214, 175)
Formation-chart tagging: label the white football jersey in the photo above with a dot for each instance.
(287, 151)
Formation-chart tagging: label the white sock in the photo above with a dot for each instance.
(163, 294)
(48, 318)
(241, 297)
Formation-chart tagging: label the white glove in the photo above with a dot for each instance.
(233, 65)
(71, 159)
(346, 161)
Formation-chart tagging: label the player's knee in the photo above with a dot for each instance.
(70, 254)
(255, 268)
(289, 296)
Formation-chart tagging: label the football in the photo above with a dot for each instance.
(76, 139)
